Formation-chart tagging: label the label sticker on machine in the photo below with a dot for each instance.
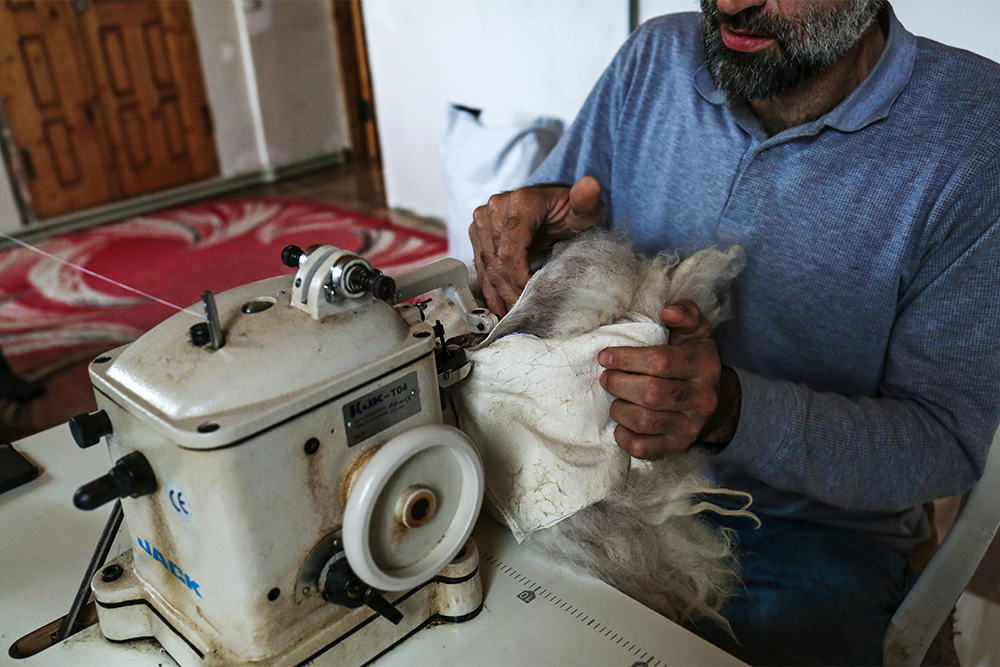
(379, 409)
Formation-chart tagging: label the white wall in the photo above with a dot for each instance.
(298, 77)
(968, 24)
(218, 28)
(273, 81)
(515, 59)
(650, 8)
(10, 218)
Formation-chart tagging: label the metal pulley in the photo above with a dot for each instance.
(412, 507)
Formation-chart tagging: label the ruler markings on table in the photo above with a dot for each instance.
(538, 591)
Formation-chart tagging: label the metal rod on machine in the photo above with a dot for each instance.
(96, 561)
(212, 314)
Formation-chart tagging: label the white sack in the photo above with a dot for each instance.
(481, 161)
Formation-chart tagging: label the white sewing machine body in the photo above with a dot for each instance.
(305, 451)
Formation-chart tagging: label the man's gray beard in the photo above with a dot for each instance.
(805, 48)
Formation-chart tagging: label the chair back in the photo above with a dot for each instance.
(933, 597)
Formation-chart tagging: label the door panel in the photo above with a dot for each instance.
(180, 66)
(47, 98)
(65, 161)
(115, 61)
(38, 66)
(348, 22)
(135, 69)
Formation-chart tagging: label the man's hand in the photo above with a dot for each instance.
(513, 224)
(669, 396)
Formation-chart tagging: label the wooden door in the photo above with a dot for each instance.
(359, 100)
(104, 99)
(149, 82)
(48, 101)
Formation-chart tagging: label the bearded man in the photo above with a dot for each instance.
(859, 168)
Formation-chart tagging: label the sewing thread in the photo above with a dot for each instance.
(97, 275)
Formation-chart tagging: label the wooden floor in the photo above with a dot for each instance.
(354, 187)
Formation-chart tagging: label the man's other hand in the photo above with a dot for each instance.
(669, 396)
(528, 220)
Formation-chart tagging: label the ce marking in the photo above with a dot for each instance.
(179, 502)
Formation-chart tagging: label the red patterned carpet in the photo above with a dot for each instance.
(55, 318)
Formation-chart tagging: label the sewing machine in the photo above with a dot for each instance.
(285, 471)
(291, 495)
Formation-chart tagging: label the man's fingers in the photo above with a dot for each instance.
(665, 393)
(508, 293)
(647, 392)
(482, 246)
(508, 271)
(646, 422)
(685, 321)
(643, 446)
(510, 224)
(512, 256)
(585, 202)
(660, 361)
(493, 300)
(500, 241)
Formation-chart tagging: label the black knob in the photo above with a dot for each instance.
(131, 476)
(291, 255)
(200, 334)
(96, 493)
(89, 428)
(343, 587)
(382, 287)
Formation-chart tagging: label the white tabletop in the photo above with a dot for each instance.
(572, 619)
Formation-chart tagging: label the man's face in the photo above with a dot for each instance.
(764, 51)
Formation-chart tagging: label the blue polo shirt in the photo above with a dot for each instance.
(866, 323)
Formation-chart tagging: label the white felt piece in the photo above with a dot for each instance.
(537, 412)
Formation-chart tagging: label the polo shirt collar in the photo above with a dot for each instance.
(871, 101)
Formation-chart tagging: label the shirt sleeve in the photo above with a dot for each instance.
(926, 435)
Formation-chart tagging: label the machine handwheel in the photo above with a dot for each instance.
(412, 507)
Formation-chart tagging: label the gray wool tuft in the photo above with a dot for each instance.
(647, 538)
